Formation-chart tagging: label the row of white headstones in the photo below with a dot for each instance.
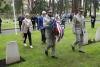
(97, 36)
(12, 52)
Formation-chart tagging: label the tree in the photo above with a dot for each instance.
(40, 5)
(95, 6)
(53, 6)
(50, 3)
(91, 4)
(60, 6)
(5, 6)
(18, 6)
(86, 7)
(75, 6)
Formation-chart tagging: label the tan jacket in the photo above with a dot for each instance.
(26, 24)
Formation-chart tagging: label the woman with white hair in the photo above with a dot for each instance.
(26, 29)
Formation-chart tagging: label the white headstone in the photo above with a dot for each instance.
(12, 53)
(85, 38)
(97, 37)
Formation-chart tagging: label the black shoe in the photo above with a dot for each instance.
(43, 43)
(81, 51)
(54, 57)
(46, 52)
(73, 48)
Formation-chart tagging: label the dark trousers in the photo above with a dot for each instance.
(92, 24)
(0, 28)
(63, 23)
(71, 19)
(34, 27)
(29, 37)
(20, 23)
(43, 38)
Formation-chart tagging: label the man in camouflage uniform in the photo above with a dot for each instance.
(50, 37)
(79, 30)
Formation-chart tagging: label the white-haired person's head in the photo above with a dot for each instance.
(43, 13)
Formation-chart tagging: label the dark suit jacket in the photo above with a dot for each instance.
(0, 21)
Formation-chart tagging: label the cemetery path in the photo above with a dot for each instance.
(6, 32)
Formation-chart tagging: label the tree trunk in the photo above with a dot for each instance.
(80, 3)
(75, 6)
(94, 5)
(85, 8)
(25, 7)
(53, 6)
(90, 7)
(21, 8)
(66, 5)
(61, 6)
(50, 3)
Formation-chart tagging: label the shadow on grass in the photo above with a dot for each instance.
(91, 42)
(3, 62)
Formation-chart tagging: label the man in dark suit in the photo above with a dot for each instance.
(93, 19)
(41, 25)
(0, 24)
(34, 21)
(20, 19)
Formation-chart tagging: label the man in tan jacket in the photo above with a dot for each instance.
(26, 29)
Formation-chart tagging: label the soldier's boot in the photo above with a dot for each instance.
(73, 46)
(53, 52)
(46, 52)
(54, 57)
(80, 49)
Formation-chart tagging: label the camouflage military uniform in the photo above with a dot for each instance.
(79, 30)
(50, 38)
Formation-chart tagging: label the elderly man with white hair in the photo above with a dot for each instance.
(41, 25)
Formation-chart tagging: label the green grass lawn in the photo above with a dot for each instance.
(67, 58)
(9, 24)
